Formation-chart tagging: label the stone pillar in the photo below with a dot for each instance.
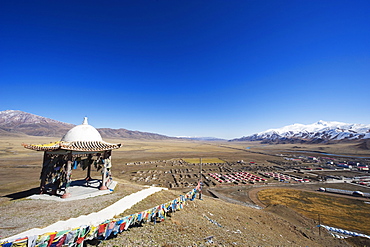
(68, 171)
(104, 179)
(109, 166)
(106, 163)
(45, 167)
(89, 162)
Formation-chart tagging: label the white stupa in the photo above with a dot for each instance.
(82, 142)
(83, 137)
(82, 132)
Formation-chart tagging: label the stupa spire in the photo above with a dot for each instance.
(85, 121)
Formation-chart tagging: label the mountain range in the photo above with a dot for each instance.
(17, 123)
(319, 132)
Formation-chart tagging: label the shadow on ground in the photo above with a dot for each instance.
(93, 183)
(23, 194)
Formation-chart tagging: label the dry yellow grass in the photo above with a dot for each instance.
(11, 147)
(238, 226)
(349, 214)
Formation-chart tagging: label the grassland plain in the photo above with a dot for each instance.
(350, 149)
(20, 170)
(345, 213)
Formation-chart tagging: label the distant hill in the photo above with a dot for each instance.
(202, 138)
(319, 132)
(4, 133)
(15, 123)
(130, 134)
(364, 144)
(19, 122)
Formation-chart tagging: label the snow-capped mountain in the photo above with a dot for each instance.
(320, 131)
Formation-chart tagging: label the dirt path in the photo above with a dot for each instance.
(253, 195)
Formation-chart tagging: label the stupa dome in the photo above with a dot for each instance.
(82, 132)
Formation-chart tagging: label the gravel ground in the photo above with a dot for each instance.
(24, 214)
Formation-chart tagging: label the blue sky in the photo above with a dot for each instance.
(187, 68)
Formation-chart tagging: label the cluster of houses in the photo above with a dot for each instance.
(236, 177)
(282, 177)
(330, 163)
(349, 165)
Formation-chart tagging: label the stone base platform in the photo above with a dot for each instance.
(79, 189)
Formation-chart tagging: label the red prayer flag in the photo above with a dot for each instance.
(52, 236)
